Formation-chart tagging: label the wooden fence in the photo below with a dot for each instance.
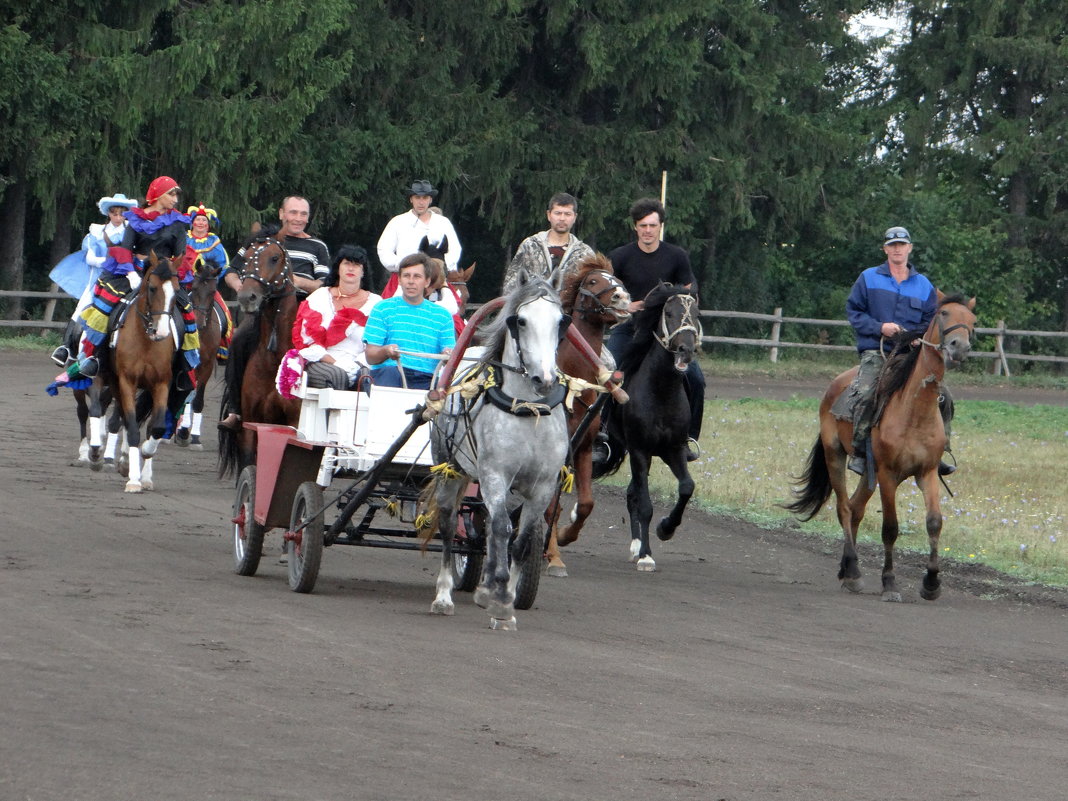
(772, 343)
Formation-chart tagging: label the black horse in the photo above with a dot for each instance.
(656, 420)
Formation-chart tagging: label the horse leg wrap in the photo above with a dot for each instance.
(148, 448)
(96, 425)
(198, 420)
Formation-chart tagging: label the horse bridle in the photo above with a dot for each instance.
(688, 323)
(146, 317)
(276, 287)
(513, 328)
(598, 307)
(942, 331)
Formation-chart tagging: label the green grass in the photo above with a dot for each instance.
(1010, 511)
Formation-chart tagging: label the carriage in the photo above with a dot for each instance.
(352, 472)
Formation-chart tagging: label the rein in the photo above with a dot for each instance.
(687, 323)
(598, 306)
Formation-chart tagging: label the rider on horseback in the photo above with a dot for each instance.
(885, 300)
(157, 228)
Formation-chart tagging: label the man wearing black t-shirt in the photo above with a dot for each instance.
(640, 266)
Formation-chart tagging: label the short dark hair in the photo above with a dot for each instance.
(352, 253)
(646, 206)
(413, 259)
(563, 199)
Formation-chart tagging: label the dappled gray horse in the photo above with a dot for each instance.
(507, 432)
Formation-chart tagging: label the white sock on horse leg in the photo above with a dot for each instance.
(149, 447)
(198, 420)
(110, 445)
(134, 475)
(187, 415)
(95, 428)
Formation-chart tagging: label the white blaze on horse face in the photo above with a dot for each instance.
(164, 329)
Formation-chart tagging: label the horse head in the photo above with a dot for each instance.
(526, 333)
(594, 293)
(265, 274)
(953, 328)
(155, 297)
(670, 315)
(436, 251)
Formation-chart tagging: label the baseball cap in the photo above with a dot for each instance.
(896, 234)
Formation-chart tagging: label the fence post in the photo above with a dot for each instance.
(776, 331)
(999, 346)
(50, 307)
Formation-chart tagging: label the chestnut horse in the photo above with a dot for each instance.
(907, 440)
(142, 358)
(269, 297)
(596, 300)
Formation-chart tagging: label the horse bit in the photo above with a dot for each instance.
(599, 307)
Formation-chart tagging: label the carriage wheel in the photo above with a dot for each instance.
(248, 534)
(305, 547)
(526, 589)
(466, 570)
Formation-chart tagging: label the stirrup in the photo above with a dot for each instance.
(945, 469)
(61, 355)
(693, 450)
(857, 464)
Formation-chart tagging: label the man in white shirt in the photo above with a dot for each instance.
(403, 234)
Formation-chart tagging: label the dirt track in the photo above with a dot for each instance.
(136, 665)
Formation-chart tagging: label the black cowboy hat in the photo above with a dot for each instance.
(421, 187)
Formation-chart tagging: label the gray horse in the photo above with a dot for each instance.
(508, 433)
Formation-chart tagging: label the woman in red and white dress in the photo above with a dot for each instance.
(328, 332)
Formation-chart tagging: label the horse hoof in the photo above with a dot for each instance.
(664, 531)
(96, 466)
(853, 585)
(646, 565)
(508, 624)
(892, 596)
(195, 444)
(180, 440)
(442, 608)
(930, 595)
(556, 571)
(147, 486)
(481, 597)
(133, 486)
(635, 550)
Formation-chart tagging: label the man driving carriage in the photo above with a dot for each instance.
(885, 300)
(408, 324)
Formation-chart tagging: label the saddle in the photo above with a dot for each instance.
(121, 310)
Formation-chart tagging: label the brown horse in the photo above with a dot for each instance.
(596, 300)
(202, 293)
(268, 297)
(142, 358)
(907, 441)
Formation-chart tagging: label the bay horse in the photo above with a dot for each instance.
(596, 300)
(510, 438)
(210, 325)
(268, 296)
(907, 440)
(141, 358)
(656, 421)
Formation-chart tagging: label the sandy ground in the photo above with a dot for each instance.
(136, 665)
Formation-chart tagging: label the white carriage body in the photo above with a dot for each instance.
(359, 428)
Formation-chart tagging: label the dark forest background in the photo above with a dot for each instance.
(791, 142)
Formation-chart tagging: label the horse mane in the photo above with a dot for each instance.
(645, 322)
(573, 279)
(527, 289)
(264, 232)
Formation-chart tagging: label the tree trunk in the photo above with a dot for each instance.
(12, 235)
(61, 241)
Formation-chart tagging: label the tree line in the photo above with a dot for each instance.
(790, 140)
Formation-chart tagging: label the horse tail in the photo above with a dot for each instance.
(427, 521)
(228, 452)
(813, 488)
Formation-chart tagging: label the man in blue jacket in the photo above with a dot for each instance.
(885, 300)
